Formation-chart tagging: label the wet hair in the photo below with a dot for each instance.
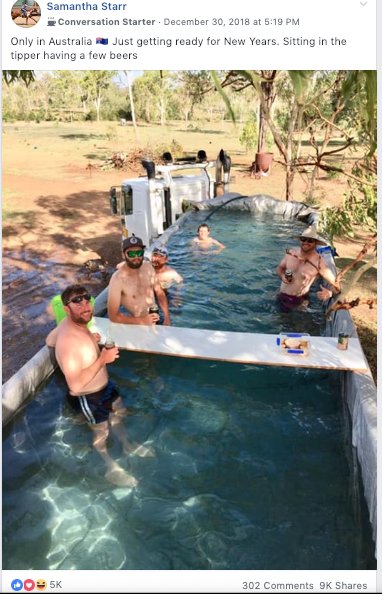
(203, 225)
(72, 291)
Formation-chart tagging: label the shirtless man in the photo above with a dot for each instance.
(167, 276)
(305, 265)
(134, 285)
(205, 241)
(90, 391)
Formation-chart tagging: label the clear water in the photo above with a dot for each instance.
(251, 466)
(236, 289)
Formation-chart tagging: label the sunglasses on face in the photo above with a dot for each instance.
(79, 299)
(135, 253)
(307, 239)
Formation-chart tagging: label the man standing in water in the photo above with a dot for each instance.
(166, 275)
(204, 241)
(298, 270)
(90, 391)
(134, 285)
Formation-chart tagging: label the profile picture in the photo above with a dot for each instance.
(25, 13)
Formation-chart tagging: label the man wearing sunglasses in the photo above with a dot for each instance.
(90, 392)
(135, 287)
(304, 265)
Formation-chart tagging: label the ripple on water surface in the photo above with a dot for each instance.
(251, 463)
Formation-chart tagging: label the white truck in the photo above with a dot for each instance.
(148, 205)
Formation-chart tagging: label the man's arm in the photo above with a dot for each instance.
(218, 244)
(71, 364)
(176, 277)
(114, 298)
(281, 268)
(51, 339)
(177, 298)
(324, 294)
(330, 277)
(163, 303)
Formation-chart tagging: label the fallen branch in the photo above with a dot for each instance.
(344, 304)
(361, 254)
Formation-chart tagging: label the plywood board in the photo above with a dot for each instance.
(235, 347)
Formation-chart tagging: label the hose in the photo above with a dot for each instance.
(221, 206)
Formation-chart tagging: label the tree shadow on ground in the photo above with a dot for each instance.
(26, 298)
(14, 220)
(200, 131)
(69, 229)
(94, 156)
(82, 136)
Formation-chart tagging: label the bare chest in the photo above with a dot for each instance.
(305, 267)
(136, 288)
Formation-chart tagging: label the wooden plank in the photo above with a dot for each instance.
(235, 347)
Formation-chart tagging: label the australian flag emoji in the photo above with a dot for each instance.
(102, 40)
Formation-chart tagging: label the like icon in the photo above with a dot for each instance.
(29, 585)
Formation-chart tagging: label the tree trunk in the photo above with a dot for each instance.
(267, 89)
(312, 181)
(289, 177)
(97, 103)
(132, 107)
(162, 113)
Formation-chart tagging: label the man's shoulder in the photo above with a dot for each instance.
(120, 273)
(147, 266)
(66, 335)
(174, 274)
(293, 252)
(168, 273)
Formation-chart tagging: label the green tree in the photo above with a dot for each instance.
(152, 95)
(307, 93)
(93, 84)
(191, 89)
(11, 76)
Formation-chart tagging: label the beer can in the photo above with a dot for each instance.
(343, 341)
(289, 275)
(154, 309)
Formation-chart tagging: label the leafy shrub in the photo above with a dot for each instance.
(249, 135)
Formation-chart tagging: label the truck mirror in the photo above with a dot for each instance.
(113, 200)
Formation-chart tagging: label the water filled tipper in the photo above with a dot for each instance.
(272, 422)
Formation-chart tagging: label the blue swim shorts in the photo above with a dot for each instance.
(95, 407)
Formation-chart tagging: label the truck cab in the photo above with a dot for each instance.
(147, 206)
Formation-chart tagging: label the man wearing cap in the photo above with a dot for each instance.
(304, 265)
(167, 275)
(135, 286)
